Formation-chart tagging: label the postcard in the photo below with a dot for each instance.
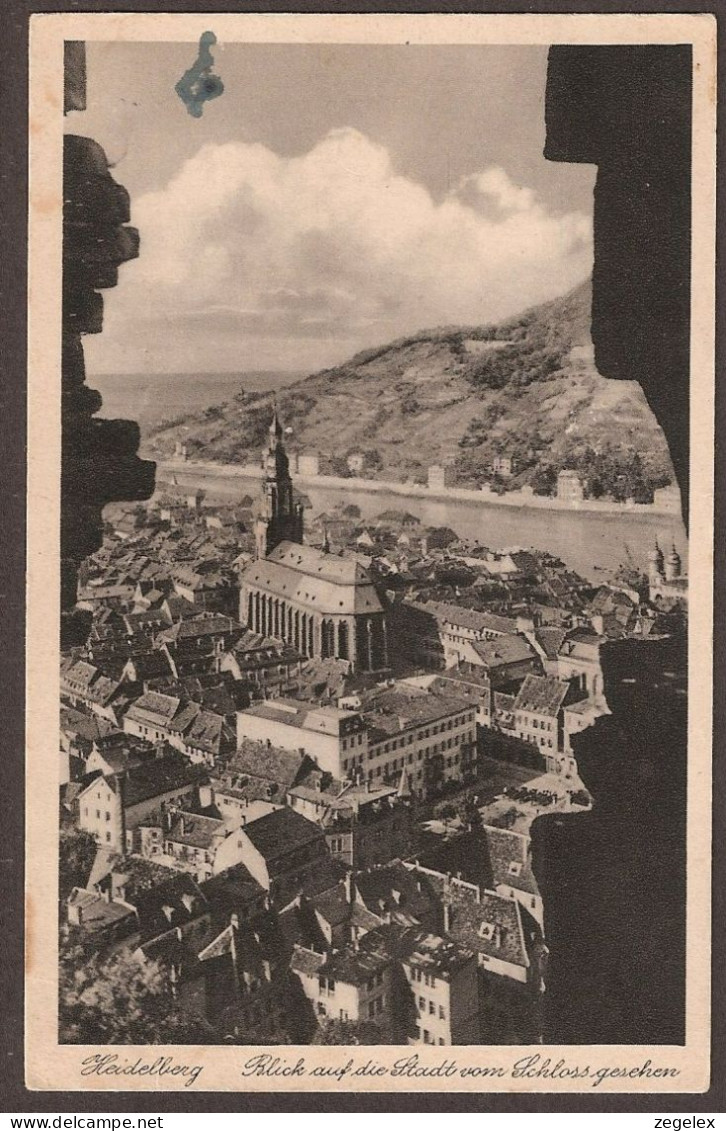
(370, 544)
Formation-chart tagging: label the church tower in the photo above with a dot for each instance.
(280, 518)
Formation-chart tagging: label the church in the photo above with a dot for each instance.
(323, 605)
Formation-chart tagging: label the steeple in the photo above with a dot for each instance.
(281, 518)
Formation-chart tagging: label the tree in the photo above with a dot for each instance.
(469, 812)
(544, 480)
(121, 1000)
(77, 852)
(339, 1032)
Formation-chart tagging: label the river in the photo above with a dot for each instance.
(589, 542)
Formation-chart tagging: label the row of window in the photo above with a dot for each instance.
(399, 763)
(426, 1037)
(420, 976)
(536, 723)
(540, 738)
(430, 1007)
(355, 740)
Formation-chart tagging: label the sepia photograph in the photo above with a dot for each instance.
(373, 398)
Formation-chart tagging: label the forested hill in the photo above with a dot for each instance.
(526, 387)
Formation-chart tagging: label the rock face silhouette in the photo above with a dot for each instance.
(99, 462)
(628, 111)
(613, 880)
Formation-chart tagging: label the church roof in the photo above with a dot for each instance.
(324, 582)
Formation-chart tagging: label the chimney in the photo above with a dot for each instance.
(267, 970)
(234, 920)
(75, 914)
(348, 882)
(106, 893)
(447, 917)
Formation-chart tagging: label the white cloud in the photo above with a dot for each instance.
(249, 259)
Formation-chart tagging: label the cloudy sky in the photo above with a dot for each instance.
(334, 197)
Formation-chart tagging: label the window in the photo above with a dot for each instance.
(371, 1008)
(442, 1013)
(108, 834)
(108, 816)
(432, 1008)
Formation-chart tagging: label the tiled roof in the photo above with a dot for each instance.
(195, 830)
(98, 912)
(77, 724)
(491, 926)
(354, 967)
(313, 578)
(541, 694)
(168, 905)
(154, 708)
(270, 763)
(472, 618)
(295, 713)
(155, 778)
(232, 890)
(510, 859)
(550, 640)
(503, 650)
(280, 832)
(306, 962)
(199, 627)
(395, 888)
(333, 905)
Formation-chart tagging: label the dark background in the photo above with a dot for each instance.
(13, 187)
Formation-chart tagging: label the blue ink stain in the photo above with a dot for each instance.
(198, 85)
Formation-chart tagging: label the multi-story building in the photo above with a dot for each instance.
(281, 850)
(539, 717)
(425, 737)
(351, 984)
(578, 660)
(364, 825)
(335, 738)
(112, 808)
(444, 992)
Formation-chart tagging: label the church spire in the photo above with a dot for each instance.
(281, 517)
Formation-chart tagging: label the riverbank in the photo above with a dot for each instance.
(514, 499)
(592, 543)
